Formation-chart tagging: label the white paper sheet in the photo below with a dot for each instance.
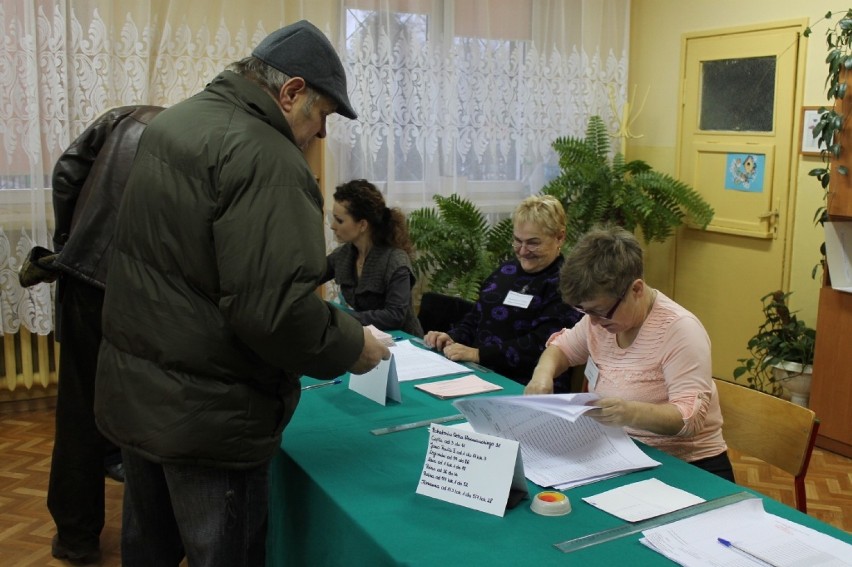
(642, 500)
(556, 450)
(838, 250)
(693, 542)
(415, 363)
(471, 469)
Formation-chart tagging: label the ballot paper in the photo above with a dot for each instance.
(642, 500)
(415, 363)
(559, 446)
(694, 541)
(458, 387)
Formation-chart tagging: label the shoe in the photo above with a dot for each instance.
(59, 551)
(115, 472)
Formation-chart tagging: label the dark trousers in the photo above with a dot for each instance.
(75, 493)
(215, 517)
(720, 465)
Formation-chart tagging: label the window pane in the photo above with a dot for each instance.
(738, 94)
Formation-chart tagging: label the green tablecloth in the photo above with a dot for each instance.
(342, 496)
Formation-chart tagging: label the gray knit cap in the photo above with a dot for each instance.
(302, 50)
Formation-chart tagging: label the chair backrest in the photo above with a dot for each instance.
(771, 429)
(438, 312)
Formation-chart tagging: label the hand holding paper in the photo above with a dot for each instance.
(372, 353)
(381, 336)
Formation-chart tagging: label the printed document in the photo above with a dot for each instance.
(694, 541)
(559, 446)
(415, 363)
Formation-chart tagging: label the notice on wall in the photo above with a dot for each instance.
(471, 469)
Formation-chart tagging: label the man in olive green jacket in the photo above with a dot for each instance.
(210, 315)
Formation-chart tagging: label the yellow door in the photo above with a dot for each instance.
(736, 138)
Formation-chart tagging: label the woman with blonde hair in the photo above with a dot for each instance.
(519, 305)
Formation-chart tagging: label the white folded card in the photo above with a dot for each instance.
(379, 384)
(472, 469)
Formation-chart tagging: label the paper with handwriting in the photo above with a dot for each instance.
(471, 469)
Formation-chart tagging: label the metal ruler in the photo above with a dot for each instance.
(634, 528)
(415, 424)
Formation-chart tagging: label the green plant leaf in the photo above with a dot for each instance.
(595, 188)
(455, 247)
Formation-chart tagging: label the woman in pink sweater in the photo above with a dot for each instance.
(646, 356)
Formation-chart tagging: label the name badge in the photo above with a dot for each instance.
(591, 373)
(516, 299)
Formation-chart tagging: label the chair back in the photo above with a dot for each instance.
(771, 429)
(438, 312)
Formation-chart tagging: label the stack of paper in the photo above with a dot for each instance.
(559, 447)
(757, 538)
(458, 387)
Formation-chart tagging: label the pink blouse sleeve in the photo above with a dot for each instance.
(688, 373)
(573, 342)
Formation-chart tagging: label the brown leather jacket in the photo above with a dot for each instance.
(88, 183)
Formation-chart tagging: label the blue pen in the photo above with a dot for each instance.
(744, 553)
(324, 384)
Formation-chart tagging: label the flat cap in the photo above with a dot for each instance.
(302, 50)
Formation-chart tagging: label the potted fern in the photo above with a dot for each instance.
(595, 188)
(456, 247)
(782, 352)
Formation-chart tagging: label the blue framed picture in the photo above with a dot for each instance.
(745, 172)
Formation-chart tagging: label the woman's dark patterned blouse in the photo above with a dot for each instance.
(511, 339)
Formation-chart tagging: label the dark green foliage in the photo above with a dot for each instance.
(456, 249)
(838, 42)
(780, 338)
(630, 194)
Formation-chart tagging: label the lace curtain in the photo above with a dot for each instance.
(467, 96)
(64, 63)
(453, 96)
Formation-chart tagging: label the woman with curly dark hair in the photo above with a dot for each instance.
(372, 266)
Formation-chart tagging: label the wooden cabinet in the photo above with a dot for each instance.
(831, 391)
(839, 199)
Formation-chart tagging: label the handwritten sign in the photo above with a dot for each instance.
(471, 469)
(379, 384)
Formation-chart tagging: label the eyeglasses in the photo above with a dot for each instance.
(608, 315)
(517, 244)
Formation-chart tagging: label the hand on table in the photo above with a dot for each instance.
(458, 352)
(437, 340)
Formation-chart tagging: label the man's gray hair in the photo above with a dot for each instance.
(268, 78)
(257, 71)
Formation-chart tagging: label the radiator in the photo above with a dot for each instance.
(29, 364)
